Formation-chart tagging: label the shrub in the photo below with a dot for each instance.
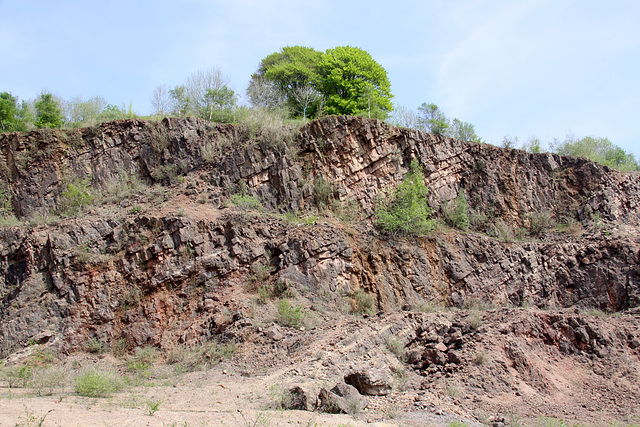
(288, 315)
(97, 384)
(76, 197)
(406, 210)
(396, 347)
(458, 215)
(539, 222)
(362, 302)
(201, 357)
(322, 192)
(245, 202)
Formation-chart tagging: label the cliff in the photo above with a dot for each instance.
(128, 230)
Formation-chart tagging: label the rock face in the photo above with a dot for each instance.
(156, 256)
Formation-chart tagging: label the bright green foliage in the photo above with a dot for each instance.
(599, 150)
(345, 80)
(48, 114)
(354, 83)
(218, 103)
(97, 384)
(8, 112)
(12, 117)
(458, 215)
(288, 315)
(406, 210)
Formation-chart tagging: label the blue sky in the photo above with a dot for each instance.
(525, 68)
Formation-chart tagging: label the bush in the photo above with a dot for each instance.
(362, 302)
(201, 357)
(406, 210)
(289, 316)
(458, 215)
(539, 222)
(76, 197)
(97, 384)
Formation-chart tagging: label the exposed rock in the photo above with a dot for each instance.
(373, 382)
(343, 398)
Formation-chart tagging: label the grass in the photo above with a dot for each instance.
(396, 347)
(97, 384)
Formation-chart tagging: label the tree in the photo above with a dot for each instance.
(305, 97)
(404, 117)
(161, 100)
(433, 120)
(85, 113)
(180, 105)
(8, 112)
(289, 71)
(221, 100)
(353, 83)
(342, 80)
(599, 150)
(463, 131)
(264, 93)
(48, 114)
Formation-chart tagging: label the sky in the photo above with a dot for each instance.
(522, 68)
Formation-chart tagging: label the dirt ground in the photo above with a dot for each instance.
(505, 367)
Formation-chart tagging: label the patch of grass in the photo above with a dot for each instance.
(246, 202)
(97, 384)
(396, 347)
(142, 360)
(201, 357)
(479, 359)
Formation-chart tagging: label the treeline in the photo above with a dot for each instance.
(295, 83)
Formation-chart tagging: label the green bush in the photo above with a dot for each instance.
(97, 384)
(406, 210)
(458, 215)
(288, 315)
(77, 196)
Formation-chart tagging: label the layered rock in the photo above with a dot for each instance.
(162, 266)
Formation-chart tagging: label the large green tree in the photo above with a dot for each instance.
(8, 112)
(48, 114)
(353, 83)
(342, 80)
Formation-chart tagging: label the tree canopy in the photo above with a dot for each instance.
(48, 113)
(342, 80)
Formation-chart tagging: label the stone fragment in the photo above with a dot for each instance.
(373, 382)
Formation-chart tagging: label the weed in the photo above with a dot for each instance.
(479, 360)
(457, 424)
(288, 315)
(77, 196)
(246, 202)
(260, 274)
(45, 381)
(362, 302)
(152, 406)
(322, 192)
(539, 222)
(457, 215)
(396, 347)
(30, 418)
(201, 357)
(97, 384)
(452, 390)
